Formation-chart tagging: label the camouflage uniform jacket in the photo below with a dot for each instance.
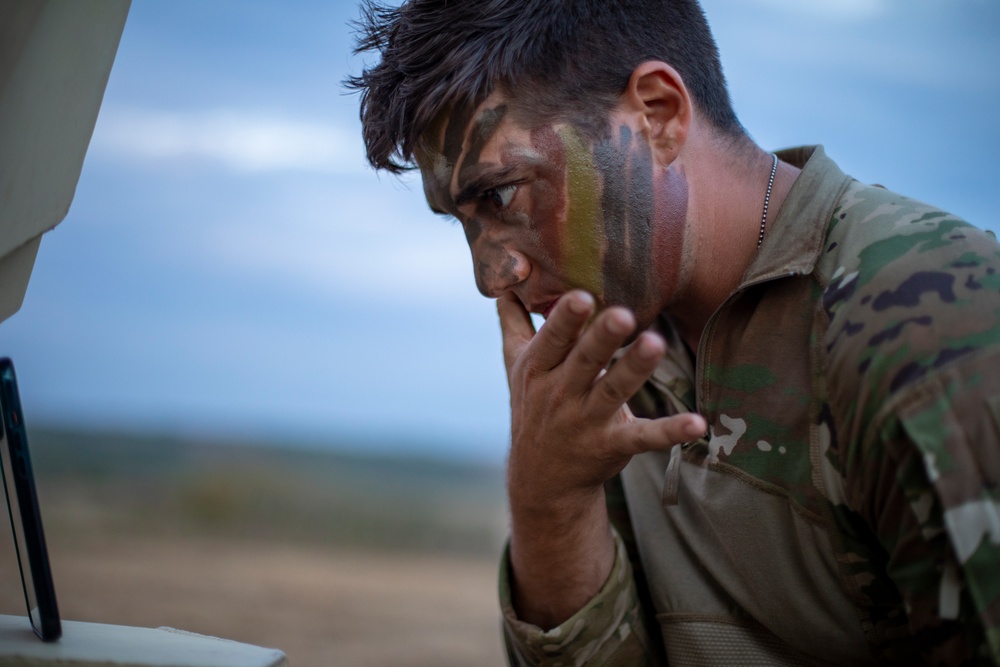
(845, 506)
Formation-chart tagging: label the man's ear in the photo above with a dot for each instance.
(657, 94)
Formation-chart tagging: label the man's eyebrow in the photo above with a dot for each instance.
(483, 179)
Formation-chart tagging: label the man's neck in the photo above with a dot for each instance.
(727, 192)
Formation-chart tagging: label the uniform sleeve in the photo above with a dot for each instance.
(930, 490)
(608, 631)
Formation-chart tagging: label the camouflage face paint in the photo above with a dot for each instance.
(548, 196)
(473, 229)
(670, 207)
(497, 267)
(454, 134)
(437, 155)
(596, 215)
(494, 265)
(483, 129)
(583, 234)
(627, 203)
(624, 224)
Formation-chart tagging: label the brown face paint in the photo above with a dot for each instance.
(483, 129)
(454, 134)
(670, 211)
(483, 275)
(611, 158)
(436, 153)
(473, 228)
(642, 202)
(593, 215)
(438, 165)
(492, 264)
(548, 196)
(496, 268)
(627, 204)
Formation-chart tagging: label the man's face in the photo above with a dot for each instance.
(546, 210)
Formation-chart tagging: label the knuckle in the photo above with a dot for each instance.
(640, 359)
(640, 440)
(528, 368)
(638, 365)
(612, 391)
(594, 353)
(606, 339)
(558, 339)
(607, 455)
(589, 358)
(552, 343)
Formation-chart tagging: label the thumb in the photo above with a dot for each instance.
(515, 327)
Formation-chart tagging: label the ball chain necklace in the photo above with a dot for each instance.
(767, 199)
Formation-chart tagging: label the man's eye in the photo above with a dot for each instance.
(501, 197)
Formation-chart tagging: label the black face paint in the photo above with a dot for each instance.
(483, 129)
(473, 228)
(454, 134)
(627, 206)
(496, 271)
(594, 215)
(611, 160)
(640, 279)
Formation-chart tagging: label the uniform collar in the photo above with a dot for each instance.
(795, 239)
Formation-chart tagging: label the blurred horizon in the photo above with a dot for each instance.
(231, 268)
(334, 558)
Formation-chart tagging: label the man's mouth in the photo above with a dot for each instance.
(543, 308)
(547, 308)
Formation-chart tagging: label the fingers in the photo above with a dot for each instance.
(645, 435)
(597, 346)
(627, 375)
(585, 355)
(515, 328)
(562, 329)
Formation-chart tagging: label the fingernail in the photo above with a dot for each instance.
(695, 429)
(617, 326)
(648, 349)
(579, 303)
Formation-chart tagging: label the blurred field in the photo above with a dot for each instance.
(335, 559)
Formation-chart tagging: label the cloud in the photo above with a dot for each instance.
(825, 49)
(386, 248)
(238, 140)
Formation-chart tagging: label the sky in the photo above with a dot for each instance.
(231, 267)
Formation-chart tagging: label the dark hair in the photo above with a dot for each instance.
(568, 59)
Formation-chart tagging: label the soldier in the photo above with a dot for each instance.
(761, 421)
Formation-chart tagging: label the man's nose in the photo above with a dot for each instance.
(498, 269)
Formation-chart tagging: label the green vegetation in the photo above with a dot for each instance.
(93, 484)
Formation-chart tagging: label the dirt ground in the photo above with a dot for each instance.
(334, 559)
(321, 606)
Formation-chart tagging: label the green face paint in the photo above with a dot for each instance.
(583, 237)
(548, 209)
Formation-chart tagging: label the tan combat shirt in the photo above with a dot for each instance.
(846, 507)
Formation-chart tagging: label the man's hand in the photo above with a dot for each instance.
(570, 432)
